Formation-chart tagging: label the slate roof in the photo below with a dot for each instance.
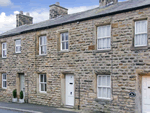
(96, 12)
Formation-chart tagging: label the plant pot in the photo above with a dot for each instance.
(14, 99)
(21, 100)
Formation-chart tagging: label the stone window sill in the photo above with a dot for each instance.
(3, 89)
(63, 51)
(102, 51)
(103, 100)
(16, 53)
(139, 48)
(4, 58)
(41, 55)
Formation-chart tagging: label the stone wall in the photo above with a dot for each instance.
(122, 62)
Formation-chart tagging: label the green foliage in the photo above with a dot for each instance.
(21, 94)
(14, 93)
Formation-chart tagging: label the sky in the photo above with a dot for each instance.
(38, 9)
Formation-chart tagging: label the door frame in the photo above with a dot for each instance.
(142, 92)
(74, 89)
(18, 84)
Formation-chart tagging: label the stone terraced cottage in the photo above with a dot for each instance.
(96, 60)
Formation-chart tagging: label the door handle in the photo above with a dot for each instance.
(71, 83)
(149, 87)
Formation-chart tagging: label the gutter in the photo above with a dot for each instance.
(82, 19)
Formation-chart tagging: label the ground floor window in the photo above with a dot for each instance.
(4, 81)
(42, 83)
(104, 86)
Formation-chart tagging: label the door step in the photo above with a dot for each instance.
(70, 107)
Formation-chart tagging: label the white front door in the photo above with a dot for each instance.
(146, 94)
(22, 85)
(69, 90)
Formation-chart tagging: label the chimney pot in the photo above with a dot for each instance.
(57, 3)
(107, 2)
(21, 12)
(28, 14)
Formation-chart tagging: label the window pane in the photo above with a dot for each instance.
(108, 80)
(43, 49)
(4, 45)
(63, 37)
(42, 87)
(99, 92)
(18, 42)
(98, 31)
(109, 43)
(98, 44)
(44, 78)
(66, 36)
(104, 80)
(104, 92)
(104, 31)
(141, 27)
(104, 43)
(18, 48)
(99, 80)
(108, 93)
(44, 42)
(4, 53)
(45, 87)
(41, 78)
(4, 84)
(4, 76)
(141, 39)
(63, 45)
(66, 45)
(41, 40)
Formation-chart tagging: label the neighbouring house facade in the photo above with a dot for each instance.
(94, 60)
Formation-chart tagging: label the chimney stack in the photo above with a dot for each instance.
(107, 2)
(22, 19)
(56, 10)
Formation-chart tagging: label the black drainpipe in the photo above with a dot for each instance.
(27, 87)
(79, 94)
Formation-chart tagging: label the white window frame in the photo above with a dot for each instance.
(139, 34)
(103, 38)
(42, 45)
(18, 45)
(64, 41)
(4, 80)
(4, 50)
(42, 83)
(98, 86)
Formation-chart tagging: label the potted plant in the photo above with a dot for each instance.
(21, 100)
(14, 99)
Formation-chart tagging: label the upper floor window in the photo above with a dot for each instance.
(104, 86)
(4, 50)
(104, 37)
(140, 38)
(18, 46)
(64, 41)
(42, 45)
(43, 83)
(4, 81)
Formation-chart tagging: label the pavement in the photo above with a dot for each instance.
(8, 111)
(31, 108)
